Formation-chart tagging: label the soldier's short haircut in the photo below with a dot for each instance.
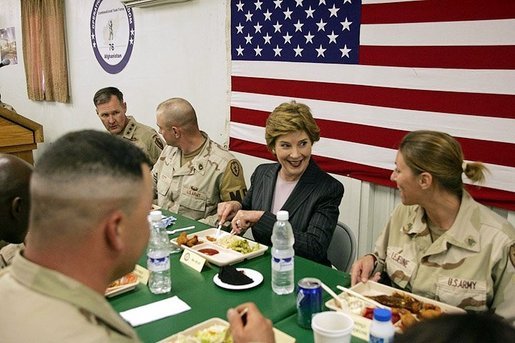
(104, 95)
(84, 175)
(91, 152)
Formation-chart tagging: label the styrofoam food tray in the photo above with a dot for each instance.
(371, 288)
(280, 337)
(225, 256)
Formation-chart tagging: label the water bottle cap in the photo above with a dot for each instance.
(156, 215)
(382, 314)
(283, 215)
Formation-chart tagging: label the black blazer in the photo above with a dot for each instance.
(312, 205)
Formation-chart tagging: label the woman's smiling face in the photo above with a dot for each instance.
(407, 182)
(293, 152)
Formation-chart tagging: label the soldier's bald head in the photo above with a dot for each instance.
(178, 112)
(15, 176)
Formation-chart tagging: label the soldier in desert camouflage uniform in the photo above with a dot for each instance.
(88, 227)
(194, 173)
(111, 110)
(440, 243)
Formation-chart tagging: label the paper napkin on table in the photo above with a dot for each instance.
(154, 311)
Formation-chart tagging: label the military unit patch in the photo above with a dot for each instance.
(158, 142)
(235, 168)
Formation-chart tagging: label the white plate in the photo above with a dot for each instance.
(256, 276)
(225, 256)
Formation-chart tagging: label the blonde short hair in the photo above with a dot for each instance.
(289, 117)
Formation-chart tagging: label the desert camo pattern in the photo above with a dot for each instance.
(144, 137)
(56, 308)
(470, 266)
(195, 188)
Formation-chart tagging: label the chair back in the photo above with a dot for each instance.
(342, 249)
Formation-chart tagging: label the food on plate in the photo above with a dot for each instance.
(183, 239)
(369, 313)
(237, 244)
(407, 318)
(209, 251)
(232, 276)
(406, 310)
(214, 334)
(404, 301)
(211, 238)
(410, 309)
(124, 280)
(430, 311)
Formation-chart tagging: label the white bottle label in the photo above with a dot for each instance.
(158, 264)
(374, 339)
(282, 264)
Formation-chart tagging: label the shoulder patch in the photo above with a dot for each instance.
(158, 142)
(235, 168)
(512, 255)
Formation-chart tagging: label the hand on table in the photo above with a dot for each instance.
(362, 269)
(254, 328)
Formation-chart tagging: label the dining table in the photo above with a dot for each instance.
(207, 300)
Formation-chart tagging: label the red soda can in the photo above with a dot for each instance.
(309, 300)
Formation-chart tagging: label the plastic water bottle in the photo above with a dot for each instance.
(282, 255)
(158, 257)
(381, 329)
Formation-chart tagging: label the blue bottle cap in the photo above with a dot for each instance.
(382, 314)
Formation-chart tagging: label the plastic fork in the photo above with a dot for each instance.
(171, 232)
(218, 229)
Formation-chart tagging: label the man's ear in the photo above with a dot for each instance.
(17, 207)
(114, 231)
(175, 130)
(425, 180)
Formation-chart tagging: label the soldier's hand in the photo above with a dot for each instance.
(362, 268)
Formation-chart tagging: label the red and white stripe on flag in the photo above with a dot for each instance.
(437, 65)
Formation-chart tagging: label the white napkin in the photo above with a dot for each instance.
(154, 311)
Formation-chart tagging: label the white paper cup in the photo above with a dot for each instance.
(332, 327)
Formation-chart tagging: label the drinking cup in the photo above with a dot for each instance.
(332, 327)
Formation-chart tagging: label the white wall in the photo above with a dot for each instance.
(180, 50)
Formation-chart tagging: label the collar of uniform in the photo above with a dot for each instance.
(464, 232)
(416, 223)
(130, 128)
(198, 162)
(56, 285)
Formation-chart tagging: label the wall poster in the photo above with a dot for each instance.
(8, 54)
(112, 34)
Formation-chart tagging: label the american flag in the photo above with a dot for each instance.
(374, 70)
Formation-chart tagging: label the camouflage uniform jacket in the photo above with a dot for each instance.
(195, 189)
(47, 306)
(144, 137)
(472, 265)
(7, 254)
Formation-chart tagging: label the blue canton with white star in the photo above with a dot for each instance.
(316, 31)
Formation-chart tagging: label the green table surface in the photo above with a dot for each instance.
(209, 301)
